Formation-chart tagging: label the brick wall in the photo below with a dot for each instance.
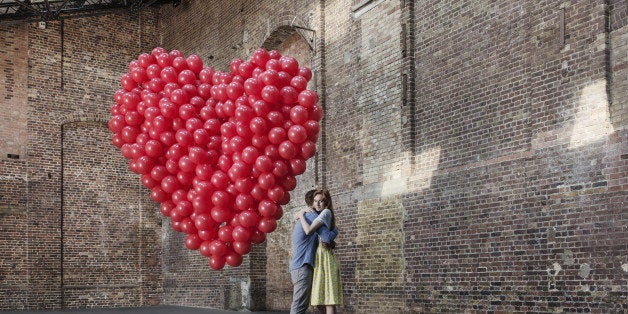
(476, 153)
(76, 231)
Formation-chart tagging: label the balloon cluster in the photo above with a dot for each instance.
(218, 150)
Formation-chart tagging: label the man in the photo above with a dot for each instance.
(303, 253)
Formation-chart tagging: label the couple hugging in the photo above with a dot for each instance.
(314, 270)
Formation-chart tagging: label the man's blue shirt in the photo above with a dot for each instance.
(304, 246)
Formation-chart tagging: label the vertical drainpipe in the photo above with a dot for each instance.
(61, 253)
(323, 97)
(607, 51)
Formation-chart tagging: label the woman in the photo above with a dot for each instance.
(326, 285)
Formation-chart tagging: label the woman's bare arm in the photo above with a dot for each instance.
(309, 229)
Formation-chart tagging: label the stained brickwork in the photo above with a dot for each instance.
(476, 152)
(75, 231)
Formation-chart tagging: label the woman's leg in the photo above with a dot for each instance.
(331, 309)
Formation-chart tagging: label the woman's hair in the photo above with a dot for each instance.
(327, 197)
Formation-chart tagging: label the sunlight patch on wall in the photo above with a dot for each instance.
(402, 178)
(592, 121)
(426, 162)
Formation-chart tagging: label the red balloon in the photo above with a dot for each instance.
(261, 107)
(280, 169)
(289, 95)
(205, 246)
(153, 148)
(240, 233)
(166, 207)
(220, 214)
(250, 154)
(267, 208)
(225, 233)
(289, 183)
(312, 127)
(297, 134)
(168, 74)
(258, 236)
(221, 199)
(179, 63)
(145, 164)
(264, 163)
(316, 113)
(266, 180)
(278, 213)
(118, 122)
(242, 247)
(183, 209)
(253, 86)
(245, 69)
(193, 241)
(244, 113)
(307, 98)
(258, 125)
(224, 163)
(239, 170)
(235, 66)
(298, 114)
(297, 166)
(248, 218)
(308, 149)
(267, 225)
(275, 118)
(186, 164)
(206, 75)
(271, 94)
(276, 193)
(217, 262)
(127, 82)
(117, 140)
(207, 235)
(194, 63)
(234, 90)
(184, 137)
(243, 201)
(244, 185)
(277, 135)
(271, 151)
(128, 134)
(260, 57)
(299, 83)
(204, 221)
(179, 96)
(306, 73)
(258, 193)
(269, 77)
(273, 64)
(203, 172)
(287, 150)
(169, 184)
(233, 259)
(158, 195)
(290, 65)
(147, 181)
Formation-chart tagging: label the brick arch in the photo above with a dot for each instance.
(282, 29)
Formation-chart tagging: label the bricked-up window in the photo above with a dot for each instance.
(13, 90)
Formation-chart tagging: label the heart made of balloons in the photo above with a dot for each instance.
(218, 150)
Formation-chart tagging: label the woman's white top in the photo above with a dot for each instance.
(325, 218)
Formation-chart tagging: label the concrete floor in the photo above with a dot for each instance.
(139, 310)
